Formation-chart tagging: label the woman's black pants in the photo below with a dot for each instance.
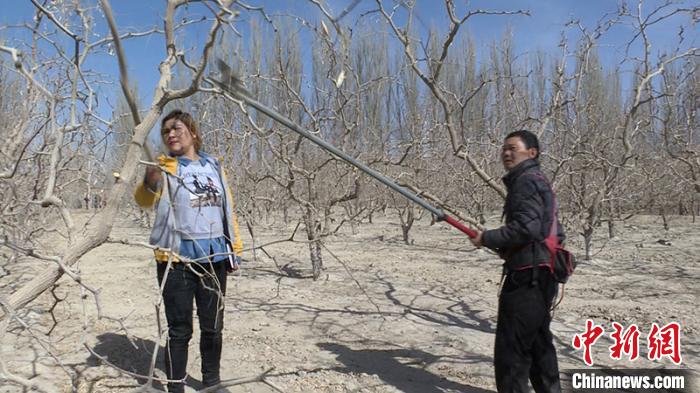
(206, 285)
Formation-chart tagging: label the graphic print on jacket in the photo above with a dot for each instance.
(201, 201)
(203, 193)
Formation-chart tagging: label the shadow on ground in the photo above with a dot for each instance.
(401, 368)
(132, 355)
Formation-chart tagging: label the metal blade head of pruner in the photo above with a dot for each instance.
(228, 81)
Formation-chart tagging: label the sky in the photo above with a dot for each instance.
(540, 31)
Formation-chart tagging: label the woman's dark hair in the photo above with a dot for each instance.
(188, 121)
(529, 139)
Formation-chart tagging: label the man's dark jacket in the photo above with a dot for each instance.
(528, 215)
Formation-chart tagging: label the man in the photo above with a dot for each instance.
(524, 345)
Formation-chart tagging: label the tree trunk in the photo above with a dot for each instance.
(612, 230)
(311, 222)
(316, 259)
(353, 222)
(588, 242)
(407, 224)
(664, 219)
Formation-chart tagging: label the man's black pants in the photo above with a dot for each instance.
(207, 287)
(524, 347)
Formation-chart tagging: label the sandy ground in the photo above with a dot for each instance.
(384, 317)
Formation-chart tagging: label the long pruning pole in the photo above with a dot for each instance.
(232, 85)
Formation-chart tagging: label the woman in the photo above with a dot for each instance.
(197, 224)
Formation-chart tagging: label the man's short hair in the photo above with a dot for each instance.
(529, 139)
